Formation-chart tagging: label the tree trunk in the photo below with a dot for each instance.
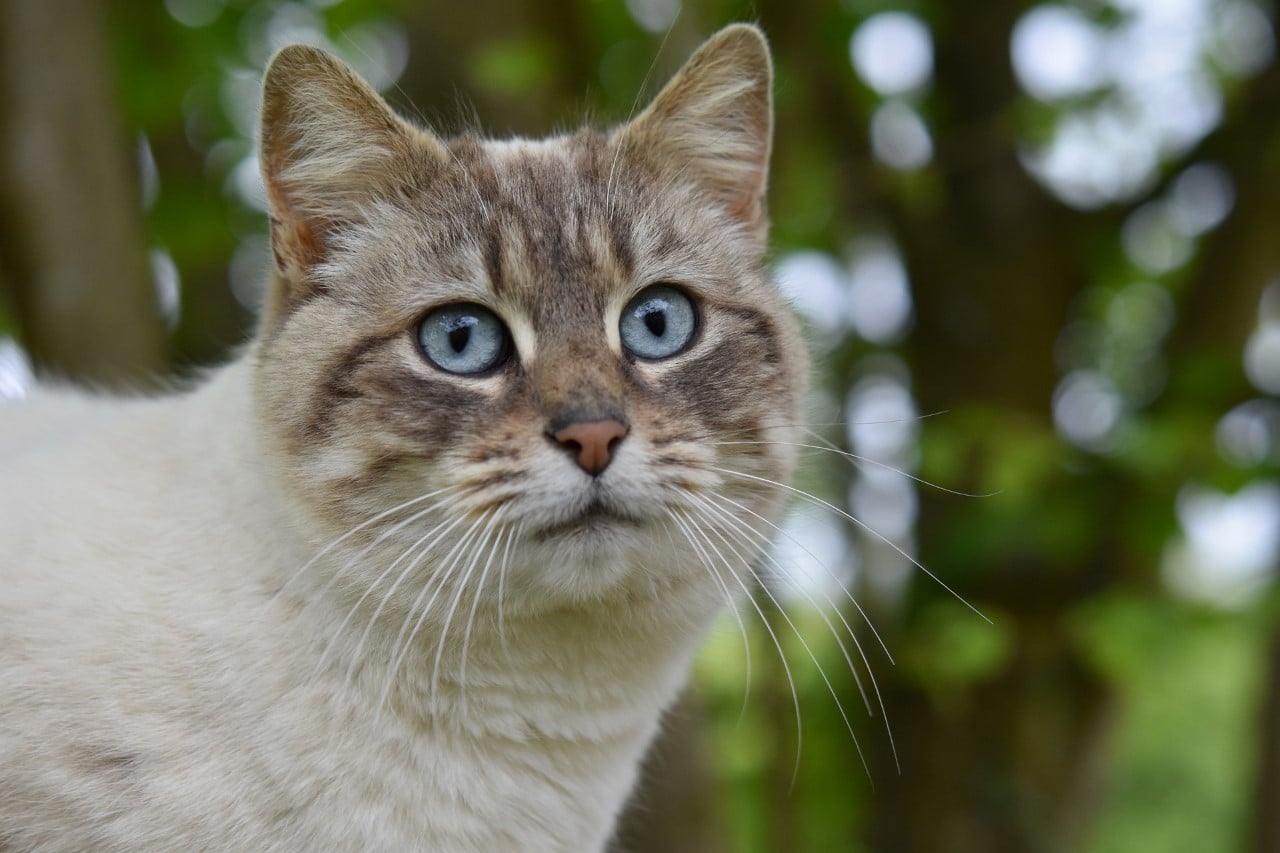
(74, 247)
(1266, 811)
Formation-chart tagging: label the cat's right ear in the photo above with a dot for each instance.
(328, 144)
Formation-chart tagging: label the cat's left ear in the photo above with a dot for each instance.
(714, 122)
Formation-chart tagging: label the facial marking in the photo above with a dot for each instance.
(556, 243)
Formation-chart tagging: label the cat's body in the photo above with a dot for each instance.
(339, 597)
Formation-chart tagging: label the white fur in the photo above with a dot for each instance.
(159, 695)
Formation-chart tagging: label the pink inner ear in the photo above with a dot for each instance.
(295, 246)
(294, 240)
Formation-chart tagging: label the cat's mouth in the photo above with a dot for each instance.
(596, 517)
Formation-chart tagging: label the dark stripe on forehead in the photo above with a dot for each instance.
(493, 259)
(620, 241)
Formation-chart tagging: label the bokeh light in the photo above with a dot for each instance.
(893, 52)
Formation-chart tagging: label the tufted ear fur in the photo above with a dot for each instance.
(714, 122)
(328, 144)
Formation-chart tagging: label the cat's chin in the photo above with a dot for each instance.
(595, 522)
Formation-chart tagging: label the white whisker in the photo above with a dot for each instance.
(766, 547)
(686, 523)
(862, 525)
(822, 673)
(875, 686)
(849, 595)
(491, 525)
(635, 104)
(860, 460)
(351, 611)
(737, 617)
(502, 577)
(439, 576)
(431, 537)
(353, 531)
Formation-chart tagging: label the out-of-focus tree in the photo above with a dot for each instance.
(74, 258)
(1033, 242)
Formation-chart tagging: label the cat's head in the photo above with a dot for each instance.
(569, 345)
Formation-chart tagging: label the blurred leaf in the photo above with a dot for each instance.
(514, 67)
(951, 649)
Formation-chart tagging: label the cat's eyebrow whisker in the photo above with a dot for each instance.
(861, 525)
(635, 105)
(805, 645)
(353, 531)
(686, 522)
(471, 181)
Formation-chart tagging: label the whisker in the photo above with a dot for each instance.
(635, 105)
(448, 562)
(491, 523)
(353, 531)
(404, 643)
(475, 601)
(737, 617)
(782, 574)
(859, 460)
(386, 534)
(849, 595)
(502, 576)
(686, 523)
(875, 686)
(862, 525)
(808, 650)
(434, 535)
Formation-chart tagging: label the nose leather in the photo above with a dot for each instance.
(592, 443)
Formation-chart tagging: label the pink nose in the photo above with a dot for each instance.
(592, 443)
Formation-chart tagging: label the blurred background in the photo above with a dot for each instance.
(1037, 250)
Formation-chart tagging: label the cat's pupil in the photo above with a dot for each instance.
(459, 336)
(655, 320)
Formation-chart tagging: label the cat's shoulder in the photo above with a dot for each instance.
(46, 413)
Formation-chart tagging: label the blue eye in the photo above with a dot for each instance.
(464, 339)
(658, 323)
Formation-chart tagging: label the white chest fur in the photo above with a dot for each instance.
(181, 696)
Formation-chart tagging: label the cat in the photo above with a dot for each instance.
(423, 566)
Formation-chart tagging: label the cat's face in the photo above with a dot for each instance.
(569, 345)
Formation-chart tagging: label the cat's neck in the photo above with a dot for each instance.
(491, 667)
(561, 700)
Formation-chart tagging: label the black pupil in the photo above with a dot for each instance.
(460, 333)
(655, 319)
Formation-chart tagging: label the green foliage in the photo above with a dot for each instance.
(1183, 761)
(514, 67)
(950, 650)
